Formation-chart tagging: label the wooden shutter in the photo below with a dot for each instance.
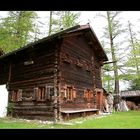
(34, 96)
(19, 95)
(89, 94)
(74, 93)
(47, 92)
(39, 94)
(85, 94)
(71, 93)
(51, 91)
(12, 96)
(68, 93)
(92, 94)
(43, 93)
(65, 93)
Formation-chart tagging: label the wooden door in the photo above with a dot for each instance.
(98, 102)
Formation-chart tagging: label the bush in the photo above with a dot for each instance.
(135, 83)
(10, 109)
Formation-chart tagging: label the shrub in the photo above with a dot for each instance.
(10, 109)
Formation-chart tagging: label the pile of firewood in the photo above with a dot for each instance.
(132, 106)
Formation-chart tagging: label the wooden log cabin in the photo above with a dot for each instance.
(56, 77)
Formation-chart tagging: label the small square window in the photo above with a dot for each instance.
(69, 93)
(41, 94)
(16, 95)
(88, 95)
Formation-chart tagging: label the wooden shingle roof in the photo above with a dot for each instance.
(135, 93)
(78, 28)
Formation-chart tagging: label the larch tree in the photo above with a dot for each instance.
(133, 62)
(107, 78)
(59, 20)
(111, 33)
(106, 75)
(69, 19)
(50, 23)
(16, 29)
(54, 22)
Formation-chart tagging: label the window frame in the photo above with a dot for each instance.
(16, 95)
(88, 95)
(41, 94)
(69, 93)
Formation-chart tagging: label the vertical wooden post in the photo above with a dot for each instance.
(59, 78)
(100, 100)
(68, 116)
(57, 83)
(59, 105)
(55, 86)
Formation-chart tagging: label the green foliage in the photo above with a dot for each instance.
(133, 62)
(62, 20)
(69, 19)
(16, 29)
(107, 78)
(111, 32)
(135, 83)
(126, 77)
(10, 109)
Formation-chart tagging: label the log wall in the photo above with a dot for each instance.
(80, 69)
(42, 78)
(28, 78)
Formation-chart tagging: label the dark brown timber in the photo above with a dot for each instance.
(58, 73)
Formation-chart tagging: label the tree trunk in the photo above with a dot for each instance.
(18, 33)
(50, 24)
(115, 68)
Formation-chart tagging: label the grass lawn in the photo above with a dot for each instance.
(130, 119)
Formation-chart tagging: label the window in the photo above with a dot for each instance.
(88, 95)
(69, 93)
(41, 94)
(49, 92)
(13, 96)
(16, 95)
